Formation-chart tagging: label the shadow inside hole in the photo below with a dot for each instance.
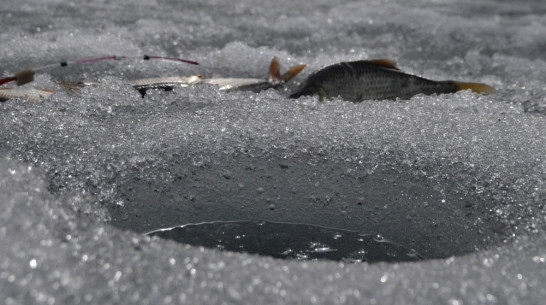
(291, 241)
(437, 218)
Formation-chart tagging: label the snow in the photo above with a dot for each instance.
(459, 177)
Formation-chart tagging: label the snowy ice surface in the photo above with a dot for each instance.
(458, 177)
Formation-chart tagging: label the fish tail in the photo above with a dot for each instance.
(274, 73)
(476, 87)
(293, 71)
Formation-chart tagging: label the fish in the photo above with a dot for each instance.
(274, 80)
(31, 94)
(378, 79)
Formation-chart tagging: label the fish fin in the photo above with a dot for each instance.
(476, 87)
(293, 71)
(274, 75)
(71, 85)
(383, 63)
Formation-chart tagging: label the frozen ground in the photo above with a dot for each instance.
(459, 178)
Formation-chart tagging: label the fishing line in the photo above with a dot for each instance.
(26, 76)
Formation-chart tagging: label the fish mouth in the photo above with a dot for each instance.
(308, 91)
(297, 94)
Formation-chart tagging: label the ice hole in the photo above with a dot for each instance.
(423, 218)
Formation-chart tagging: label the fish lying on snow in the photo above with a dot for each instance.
(274, 80)
(375, 80)
(28, 94)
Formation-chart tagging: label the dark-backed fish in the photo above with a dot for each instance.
(375, 80)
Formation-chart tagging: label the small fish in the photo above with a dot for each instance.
(274, 80)
(375, 80)
(32, 94)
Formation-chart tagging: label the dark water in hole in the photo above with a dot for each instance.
(291, 241)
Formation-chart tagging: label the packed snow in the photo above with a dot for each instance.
(85, 174)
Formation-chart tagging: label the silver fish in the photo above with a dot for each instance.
(274, 80)
(32, 94)
(375, 80)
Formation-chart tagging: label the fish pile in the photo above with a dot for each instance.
(355, 81)
(274, 80)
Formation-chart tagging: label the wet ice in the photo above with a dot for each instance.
(290, 241)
